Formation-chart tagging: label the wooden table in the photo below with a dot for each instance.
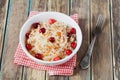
(105, 62)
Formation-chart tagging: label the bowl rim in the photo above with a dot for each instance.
(48, 62)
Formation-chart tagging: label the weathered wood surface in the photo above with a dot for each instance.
(81, 7)
(17, 15)
(3, 17)
(105, 62)
(115, 21)
(59, 5)
(102, 55)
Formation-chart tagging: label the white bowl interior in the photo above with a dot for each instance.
(44, 17)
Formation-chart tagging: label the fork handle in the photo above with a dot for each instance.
(86, 60)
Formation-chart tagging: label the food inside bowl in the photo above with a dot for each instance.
(50, 41)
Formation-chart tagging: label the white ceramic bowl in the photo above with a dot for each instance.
(43, 17)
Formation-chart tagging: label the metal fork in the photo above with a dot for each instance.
(98, 29)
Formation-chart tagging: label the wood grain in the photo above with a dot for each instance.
(29, 73)
(39, 5)
(115, 15)
(81, 7)
(34, 74)
(16, 18)
(60, 6)
(102, 55)
(3, 16)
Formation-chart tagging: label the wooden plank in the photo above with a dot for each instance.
(81, 7)
(102, 55)
(60, 6)
(34, 74)
(56, 77)
(115, 15)
(39, 5)
(3, 15)
(29, 73)
(16, 18)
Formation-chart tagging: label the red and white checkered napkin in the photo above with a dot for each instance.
(20, 58)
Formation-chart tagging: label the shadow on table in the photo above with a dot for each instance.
(83, 23)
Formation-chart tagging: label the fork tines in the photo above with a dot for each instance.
(100, 21)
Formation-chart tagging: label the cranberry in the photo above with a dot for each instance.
(38, 56)
(69, 34)
(27, 34)
(35, 25)
(73, 31)
(42, 30)
(57, 58)
(28, 46)
(51, 21)
(52, 39)
(73, 45)
(68, 51)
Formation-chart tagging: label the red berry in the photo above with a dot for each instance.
(38, 56)
(52, 39)
(42, 30)
(69, 34)
(51, 21)
(68, 51)
(27, 35)
(28, 46)
(73, 45)
(73, 31)
(57, 58)
(35, 25)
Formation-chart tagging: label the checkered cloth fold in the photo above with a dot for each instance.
(66, 68)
